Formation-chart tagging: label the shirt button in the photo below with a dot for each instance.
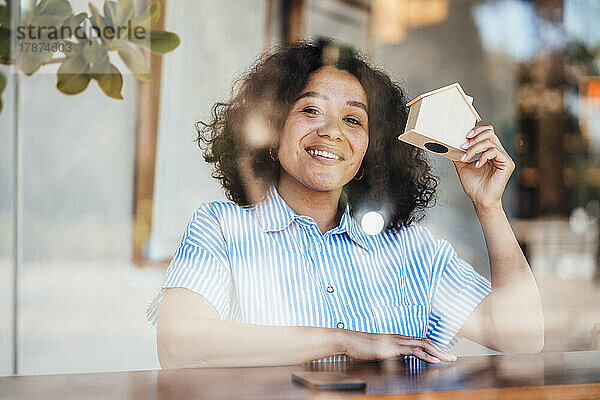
(340, 325)
(329, 289)
(318, 246)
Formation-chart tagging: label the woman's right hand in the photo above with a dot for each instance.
(379, 346)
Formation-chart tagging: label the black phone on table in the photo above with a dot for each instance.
(328, 380)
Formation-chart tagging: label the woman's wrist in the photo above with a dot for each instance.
(340, 340)
(485, 210)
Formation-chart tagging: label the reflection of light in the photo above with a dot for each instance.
(372, 223)
(258, 131)
(578, 221)
(391, 18)
(424, 12)
(386, 26)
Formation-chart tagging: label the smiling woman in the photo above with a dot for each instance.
(284, 274)
(283, 88)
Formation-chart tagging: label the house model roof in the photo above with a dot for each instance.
(468, 99)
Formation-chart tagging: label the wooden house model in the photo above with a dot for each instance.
(439, 121)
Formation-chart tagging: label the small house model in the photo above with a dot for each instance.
(439, 121)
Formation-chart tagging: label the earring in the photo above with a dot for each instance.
(273, 158)
(362, 172)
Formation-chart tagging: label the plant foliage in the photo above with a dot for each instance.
(90, 38)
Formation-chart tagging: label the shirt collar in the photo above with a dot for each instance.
(349, 225)
(274, 214)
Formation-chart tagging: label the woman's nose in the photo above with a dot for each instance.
(331, 129)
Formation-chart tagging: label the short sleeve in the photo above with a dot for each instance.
(200, 264)
(457, 289)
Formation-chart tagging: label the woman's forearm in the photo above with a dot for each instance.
(517, 318)
(218, 343)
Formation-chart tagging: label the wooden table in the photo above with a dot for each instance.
(548, 375)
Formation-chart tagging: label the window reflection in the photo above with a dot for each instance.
(534, 68)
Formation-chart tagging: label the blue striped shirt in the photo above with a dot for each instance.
(265, 264)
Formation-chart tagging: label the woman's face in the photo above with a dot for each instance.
(326, 134)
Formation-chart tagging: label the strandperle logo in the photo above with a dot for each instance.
(92, 32)
(41, 38)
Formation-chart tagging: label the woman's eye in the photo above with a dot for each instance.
(353, 121)
(310, 110)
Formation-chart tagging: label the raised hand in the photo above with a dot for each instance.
(484, 180)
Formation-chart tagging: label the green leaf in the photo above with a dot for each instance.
(97, 20)
(5, 15)
(95, 54)
(110, 13)
(43, 4)
(31, 61)
(134, 59)
(111, 82)
(5, 40)
(2, 82)
(77, 47)
(74, 21)
(148, 17)
(125, 11)
(76, 65)
(161, 42)
(51, 13)
(72, 75)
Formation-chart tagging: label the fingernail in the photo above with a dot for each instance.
(477, 164)
(464, 157)
(465, 145)
(454, 358)
(435, 360)
(471, 133)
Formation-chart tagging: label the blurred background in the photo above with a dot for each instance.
(96, 191)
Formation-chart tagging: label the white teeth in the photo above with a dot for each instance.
(325, 154)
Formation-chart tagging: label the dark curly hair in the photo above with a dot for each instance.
(397, 179)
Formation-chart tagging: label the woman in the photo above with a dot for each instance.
(285, 275)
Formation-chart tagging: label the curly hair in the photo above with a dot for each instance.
(397, 179)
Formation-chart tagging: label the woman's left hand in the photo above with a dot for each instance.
(484, 181)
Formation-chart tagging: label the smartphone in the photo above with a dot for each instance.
(327, 380)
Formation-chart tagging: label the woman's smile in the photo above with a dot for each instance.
(325, 154)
